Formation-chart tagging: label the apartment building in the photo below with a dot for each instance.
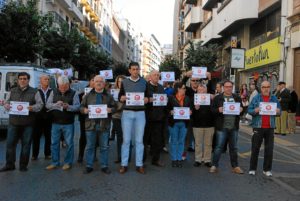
(118, 41)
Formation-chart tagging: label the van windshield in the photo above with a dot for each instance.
(11, 80)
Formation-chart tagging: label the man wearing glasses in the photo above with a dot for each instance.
(21, 126)
(226, 126)
(263, 128)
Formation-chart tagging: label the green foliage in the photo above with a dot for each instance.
(120, 69)
(21, 27)
(171, 63)
(198, 55)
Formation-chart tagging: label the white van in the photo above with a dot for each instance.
(8, 80)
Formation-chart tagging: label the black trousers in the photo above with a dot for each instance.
(42, 127)
(117, 127)
(260, 134)
(154, 135)
(82, 138)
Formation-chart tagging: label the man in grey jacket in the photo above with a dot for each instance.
(21, 125)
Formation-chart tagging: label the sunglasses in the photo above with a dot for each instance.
(195, 80)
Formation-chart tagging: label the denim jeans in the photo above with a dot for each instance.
(133, 122)
(91, 138)
(67, 130)
(177, 138)
(13, 135)
(260, 134)
(221, 136)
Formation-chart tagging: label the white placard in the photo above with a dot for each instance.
(160, 99)
(266, 108)
(87, 90)
(201, 99)
(67, 72)
(134, 99)
(237, 58)
(167, 76)
(161, 82)
(97, 111)
(19, 108)
(199, 72)
(181, 112)
(231, 108)
(107, 74)
(115, 93)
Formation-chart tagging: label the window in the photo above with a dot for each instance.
(11, 80)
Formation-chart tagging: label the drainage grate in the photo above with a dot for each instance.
(71, 193)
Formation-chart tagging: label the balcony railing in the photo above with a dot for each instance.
(209, 4)
(193, 20)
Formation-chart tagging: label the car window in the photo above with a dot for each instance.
(11, 80)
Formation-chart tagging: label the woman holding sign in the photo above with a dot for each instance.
(179, 116)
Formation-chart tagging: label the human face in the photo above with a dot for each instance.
(23, 81)
(99, 83)
(265, 88)
(134, 71)
(181, 91)
(201, 90)
(219, 88)
(119, 82)
(154, 77)
(228, 88)
(44, 81)
(63, 88)
(194, 83)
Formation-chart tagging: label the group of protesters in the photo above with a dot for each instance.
(52, 113)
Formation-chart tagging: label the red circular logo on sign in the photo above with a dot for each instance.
(98, 110)
(199, 71)
(106, 74)
(19, 107)
(181, 112)
(137, 97)
(203, 97)
(231, 107)
(65, 72)
(268, 107)
(168, 75)
(162, 98)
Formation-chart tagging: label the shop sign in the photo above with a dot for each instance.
(263, 54)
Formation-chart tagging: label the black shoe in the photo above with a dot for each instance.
(106, 170)
(117, 161)
(208, 164)
(87, 170)
(283, 134)
(158, 164)
(7, 168)
(23, 169)
(174, 163)
(179, 164)
(197, 164)
(190, 149)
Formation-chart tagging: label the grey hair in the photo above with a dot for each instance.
(99, 76)
(63, 80)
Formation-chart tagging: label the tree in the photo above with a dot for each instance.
(171, 63)
(198, 55)
(21, 27)
(120, 69)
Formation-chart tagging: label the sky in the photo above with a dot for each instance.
(149, 16)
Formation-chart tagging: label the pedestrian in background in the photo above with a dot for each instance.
(21, 126)
(63, 103)
(292, 110)
(263, 129)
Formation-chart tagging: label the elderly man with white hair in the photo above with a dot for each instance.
(63, 104)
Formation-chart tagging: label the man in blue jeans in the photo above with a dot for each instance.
(226, 126)
(63, 103)
(20, 126)
(133, 117)
(97, 127)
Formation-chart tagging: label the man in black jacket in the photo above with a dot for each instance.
(292, 110)
(155, 118)
(226, 126)
(284, 98)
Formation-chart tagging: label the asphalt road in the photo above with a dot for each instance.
(183, 184)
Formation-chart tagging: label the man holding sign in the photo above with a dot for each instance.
(263, 109)
(21, 121)
(227, 108)
(97, 106)
(134, 94)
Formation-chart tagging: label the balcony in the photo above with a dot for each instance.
(84, 2)
(208, 32)
(232, 14)
(209, 4)
(57, 18)
(67, 4)
(76, 13)
(193, 19)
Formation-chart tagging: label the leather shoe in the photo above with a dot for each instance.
(197, 164)
(158, 164)
(123, 169)
(106, 170)
(7, 168)
(87, 170)
(140, 170)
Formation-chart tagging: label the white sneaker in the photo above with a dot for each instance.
(267, 173)
(252, 172)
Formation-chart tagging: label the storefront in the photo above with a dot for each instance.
(262, 63)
